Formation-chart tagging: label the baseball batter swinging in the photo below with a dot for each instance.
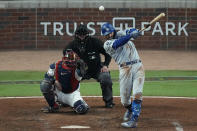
(131, 72)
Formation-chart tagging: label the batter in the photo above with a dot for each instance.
(131, 72)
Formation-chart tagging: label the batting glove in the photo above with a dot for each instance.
(134, 33)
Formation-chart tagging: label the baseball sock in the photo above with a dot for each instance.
(129, 107)
(136, 108)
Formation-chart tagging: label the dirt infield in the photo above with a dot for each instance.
(157, 115)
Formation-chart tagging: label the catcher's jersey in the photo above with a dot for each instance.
(67, 77)
(122, 54)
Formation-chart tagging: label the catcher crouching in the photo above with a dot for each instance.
(61, 84)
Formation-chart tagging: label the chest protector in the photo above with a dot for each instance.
(66, 76)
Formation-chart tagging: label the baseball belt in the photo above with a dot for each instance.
(130, 63)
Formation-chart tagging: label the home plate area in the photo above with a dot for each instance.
(163, 114)
(74, 127)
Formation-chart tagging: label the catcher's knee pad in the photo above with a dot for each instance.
(80, 107)
(45, 86)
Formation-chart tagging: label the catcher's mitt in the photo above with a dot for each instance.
(82, 66)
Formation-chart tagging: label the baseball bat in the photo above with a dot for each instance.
(161, 15)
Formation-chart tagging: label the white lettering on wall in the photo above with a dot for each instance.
(157, 28)
(170, 27)
(45, 26)
(143, 25)
(121, 27)
(90, 28)
(180, 28)
(100, 24)
(59, 28)
(68, 28)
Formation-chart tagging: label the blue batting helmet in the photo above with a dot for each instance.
(107, 28)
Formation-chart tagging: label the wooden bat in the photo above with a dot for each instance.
(161, 15)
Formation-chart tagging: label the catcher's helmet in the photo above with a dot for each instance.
(107, 28)
(69, 58)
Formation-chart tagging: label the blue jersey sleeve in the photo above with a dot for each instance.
(121, 41)
(125, 37)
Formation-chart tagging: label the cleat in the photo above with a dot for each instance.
(62, 104)
(129, 124)
(109, 105)
(49, 109)
(127, 115)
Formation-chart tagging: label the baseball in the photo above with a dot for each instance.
(101, 8)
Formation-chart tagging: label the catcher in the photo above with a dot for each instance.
(61, 84)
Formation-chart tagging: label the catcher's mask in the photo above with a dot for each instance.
(70, 58)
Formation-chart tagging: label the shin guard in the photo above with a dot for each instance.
(50, 98)
(136, 109)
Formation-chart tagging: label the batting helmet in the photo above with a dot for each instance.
(107, 28)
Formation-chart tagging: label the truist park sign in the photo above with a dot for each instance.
(120, 23)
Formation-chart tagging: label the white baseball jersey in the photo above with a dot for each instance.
(131, 76)
(122, 54)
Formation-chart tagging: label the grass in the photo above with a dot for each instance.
(38, 75)
(160, 88)
(151, 88)
(171, 88)
(20, 90)
(21, 75)
(170, 73)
